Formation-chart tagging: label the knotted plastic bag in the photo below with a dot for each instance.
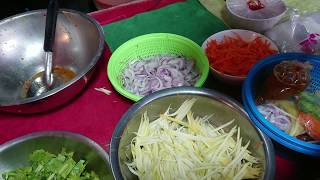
(301, 33)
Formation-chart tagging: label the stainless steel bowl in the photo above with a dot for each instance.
(78, 46)
(209, 102)
(14, 154)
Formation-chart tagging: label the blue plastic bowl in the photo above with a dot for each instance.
(256, 76)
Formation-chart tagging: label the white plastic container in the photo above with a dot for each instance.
(240, 16)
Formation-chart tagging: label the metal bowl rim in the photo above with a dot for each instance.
(121, 125)
(64, 134)
(79, 75)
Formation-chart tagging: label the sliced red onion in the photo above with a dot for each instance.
(276, 116)
(146, 76)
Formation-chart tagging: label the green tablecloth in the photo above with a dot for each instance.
(189, 19)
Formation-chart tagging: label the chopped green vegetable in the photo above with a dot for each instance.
(47, 166)
(181, 146)
(310, 103)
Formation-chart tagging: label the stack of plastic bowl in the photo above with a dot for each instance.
(260, 19)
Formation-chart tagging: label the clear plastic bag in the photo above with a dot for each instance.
(301, 33)
(276, 116)
(287, 79)
(257, 9)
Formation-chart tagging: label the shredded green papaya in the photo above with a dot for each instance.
(179, 145)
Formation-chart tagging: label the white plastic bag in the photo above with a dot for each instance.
(301, 33)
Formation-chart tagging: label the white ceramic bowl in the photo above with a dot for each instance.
(245, 35)
(236, 17)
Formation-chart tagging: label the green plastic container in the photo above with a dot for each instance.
(150, 45)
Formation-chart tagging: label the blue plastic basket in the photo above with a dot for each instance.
(257, 73)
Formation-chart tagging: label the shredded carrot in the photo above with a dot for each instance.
(234, 56)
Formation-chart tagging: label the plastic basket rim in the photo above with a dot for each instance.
(135, 98)
(279, 139)
(258, 118)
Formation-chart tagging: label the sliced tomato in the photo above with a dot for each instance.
(311, 124)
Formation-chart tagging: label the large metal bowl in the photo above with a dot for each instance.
(14, 154)
(209, 102)
(78, 46)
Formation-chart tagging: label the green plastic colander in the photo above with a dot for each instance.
(150, 45)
